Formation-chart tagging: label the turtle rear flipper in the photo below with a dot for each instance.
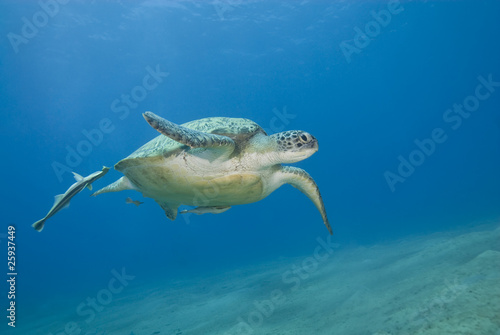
(169, 208)
(120, 185)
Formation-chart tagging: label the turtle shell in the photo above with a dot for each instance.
(238, 129)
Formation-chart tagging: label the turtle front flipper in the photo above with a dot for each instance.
(190, 137)
(301, 180)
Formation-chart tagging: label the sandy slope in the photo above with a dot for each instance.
(447, 283)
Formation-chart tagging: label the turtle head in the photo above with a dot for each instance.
(294, 145)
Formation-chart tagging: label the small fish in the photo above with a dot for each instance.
(62, 200)
(135, 202)
(206, 209)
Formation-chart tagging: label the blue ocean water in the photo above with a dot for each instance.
(403, 97)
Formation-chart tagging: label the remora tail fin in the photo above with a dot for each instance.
(39, 224)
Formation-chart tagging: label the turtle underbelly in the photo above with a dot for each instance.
(178, 185)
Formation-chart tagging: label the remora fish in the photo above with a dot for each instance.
(135, 202)
(62, 200)
(206, 209)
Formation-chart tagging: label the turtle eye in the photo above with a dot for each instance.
(304, 138)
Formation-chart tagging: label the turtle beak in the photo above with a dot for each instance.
(315, 144)
(312, 145)
(307, 150)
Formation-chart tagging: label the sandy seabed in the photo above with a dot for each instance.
(439, 284)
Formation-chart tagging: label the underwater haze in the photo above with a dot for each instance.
(402, 96)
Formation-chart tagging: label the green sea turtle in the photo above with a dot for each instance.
(216, 162)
